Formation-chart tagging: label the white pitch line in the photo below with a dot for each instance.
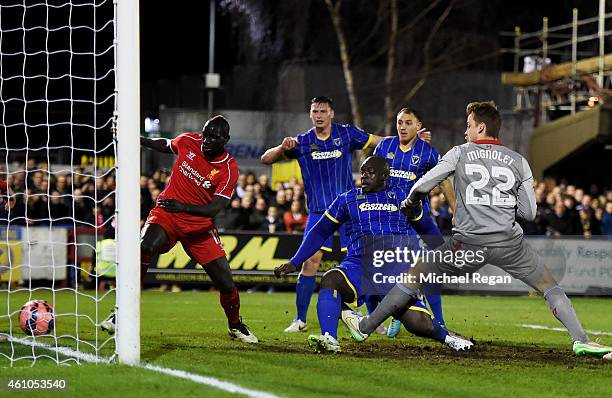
(210, 381)
(595, 332)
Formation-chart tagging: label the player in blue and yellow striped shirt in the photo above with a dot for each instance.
(367, 212)
(410, 158)
(325, 156)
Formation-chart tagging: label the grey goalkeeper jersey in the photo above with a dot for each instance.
(493, 186)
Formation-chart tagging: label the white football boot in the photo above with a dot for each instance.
(296, 326)
(323, 343)
(242, 332)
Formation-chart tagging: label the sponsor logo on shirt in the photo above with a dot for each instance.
(194, 175)
(406, 175)
(326, 155)
(191, 155)
(377, 207)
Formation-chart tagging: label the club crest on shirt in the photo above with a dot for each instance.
(391, 195)
(390, 155)
(191, 155)
(337, 141)
(414, 160)
(212, 174)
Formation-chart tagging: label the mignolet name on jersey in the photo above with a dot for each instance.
(490, 154)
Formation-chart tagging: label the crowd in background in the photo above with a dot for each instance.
(40, 197)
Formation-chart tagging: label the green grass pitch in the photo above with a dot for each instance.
(186, 331)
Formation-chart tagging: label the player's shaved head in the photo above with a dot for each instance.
(380, 164)
(215, 134)
(374, 173)
(217, 124)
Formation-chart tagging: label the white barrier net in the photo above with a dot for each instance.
(57, 181)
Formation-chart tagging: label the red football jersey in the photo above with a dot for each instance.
(195, 179)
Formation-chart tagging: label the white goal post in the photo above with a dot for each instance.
(69, 180)
(128, 180)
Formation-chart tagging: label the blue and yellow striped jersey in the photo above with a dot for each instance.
(327, 164)
(407, 164)
(369, 214)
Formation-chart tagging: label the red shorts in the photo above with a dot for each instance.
(201, 245)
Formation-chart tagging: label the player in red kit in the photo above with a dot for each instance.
(201, 184)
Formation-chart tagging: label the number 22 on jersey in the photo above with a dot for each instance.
(500, 194)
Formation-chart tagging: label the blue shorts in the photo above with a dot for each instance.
(350, 268)
(328, 245)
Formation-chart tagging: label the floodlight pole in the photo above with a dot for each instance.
(127, 75)
(211, 56)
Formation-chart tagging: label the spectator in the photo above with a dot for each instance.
(60, 212)
(559, 221)
(280, 201)
(250, 178)
(289, 195)
(273, 221)
(231, 218)
(240, 185)
(266, 191)
(246, 208)
(606, 220)
(257, 217)
(441, 215)
(295, 219)
(588, 222)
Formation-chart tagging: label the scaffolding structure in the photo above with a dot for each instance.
(568, 68)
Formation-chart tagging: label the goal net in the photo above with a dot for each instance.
(59, 179)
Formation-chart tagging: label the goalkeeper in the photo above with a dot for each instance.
(202, 183)
(494, 187)
(370, 211)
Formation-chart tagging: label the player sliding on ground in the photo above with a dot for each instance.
(325, 154)
(410, 157)
(202, 183)
(493, 186)
(369, 211)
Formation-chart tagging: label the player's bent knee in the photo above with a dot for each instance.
(334, 280)
(417, 322)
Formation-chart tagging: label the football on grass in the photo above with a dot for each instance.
(36, 318)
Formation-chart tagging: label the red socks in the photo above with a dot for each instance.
(231, 305)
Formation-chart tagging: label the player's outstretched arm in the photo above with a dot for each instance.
(158, 144)
(435, 176)
(314, 239)
(273, 154)
(210, 210)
